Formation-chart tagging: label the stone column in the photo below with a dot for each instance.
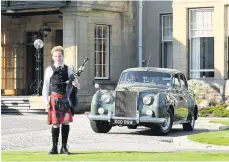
(83, 48)
(180, 37)
(220, 42)
(77, 47)
(70, 39)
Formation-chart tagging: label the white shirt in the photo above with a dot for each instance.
(48, 75)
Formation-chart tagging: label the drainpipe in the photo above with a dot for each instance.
(140, 33)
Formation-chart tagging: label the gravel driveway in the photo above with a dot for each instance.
(30, 132)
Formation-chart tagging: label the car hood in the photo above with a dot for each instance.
(141, 89)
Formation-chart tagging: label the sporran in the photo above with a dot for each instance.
(62, 104)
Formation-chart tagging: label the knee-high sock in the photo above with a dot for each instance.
(55, 135)
(65, 132)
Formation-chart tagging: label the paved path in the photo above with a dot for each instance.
(30, 132)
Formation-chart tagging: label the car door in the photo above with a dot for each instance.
(178, 100)
(180, 110)
(183, 111)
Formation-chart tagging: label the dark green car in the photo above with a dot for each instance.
(152, 97)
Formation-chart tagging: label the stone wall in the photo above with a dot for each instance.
(78, 21)
(78, 39)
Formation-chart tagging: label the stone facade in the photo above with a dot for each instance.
(78, 22)
(181, 34)
(209, 91)
(15, 29)
(152, 30)
(78, 38)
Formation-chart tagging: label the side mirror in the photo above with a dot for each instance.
(97, 86)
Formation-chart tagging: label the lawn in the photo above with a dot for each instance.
(215, 138)
(113, 156)
(225, 122)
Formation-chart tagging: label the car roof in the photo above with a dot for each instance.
(156, 69)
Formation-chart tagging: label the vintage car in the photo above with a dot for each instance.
(146, 96)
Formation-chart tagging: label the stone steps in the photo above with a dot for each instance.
(18, 104)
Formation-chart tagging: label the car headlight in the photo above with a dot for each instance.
(101, 110)
(147, 100)
(106, 98)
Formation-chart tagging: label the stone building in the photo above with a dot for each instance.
(200, 38)
(103, 31)
(188, 35)
(157, 33)
(200, 44)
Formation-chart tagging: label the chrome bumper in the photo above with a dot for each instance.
(142, 119)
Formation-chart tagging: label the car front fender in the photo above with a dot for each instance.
(160, 104)
(95, 103)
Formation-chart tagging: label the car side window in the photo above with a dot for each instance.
(183, 81)
(176, 82)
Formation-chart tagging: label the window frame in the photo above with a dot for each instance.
(108, 51)
(190, 45)
(163, 41)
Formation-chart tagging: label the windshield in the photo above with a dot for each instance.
(146, 78)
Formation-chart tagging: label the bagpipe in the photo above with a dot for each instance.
(71, 99)
(76, 74)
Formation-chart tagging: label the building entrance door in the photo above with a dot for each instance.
(12, 68)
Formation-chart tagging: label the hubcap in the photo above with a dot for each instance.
(166, 124)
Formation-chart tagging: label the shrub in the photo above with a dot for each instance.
(199, 100)
(217, 111)
(196, 86)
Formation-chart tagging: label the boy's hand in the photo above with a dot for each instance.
(75, 84)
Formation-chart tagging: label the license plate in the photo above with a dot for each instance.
(123, 122)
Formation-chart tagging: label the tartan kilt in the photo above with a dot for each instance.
(56, 116)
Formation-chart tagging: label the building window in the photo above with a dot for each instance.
(8, 67)
(167, 40)
(3, 60)
(102, 51)
(201, 43)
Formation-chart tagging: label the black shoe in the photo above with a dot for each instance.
(64, 150)
(53, 150)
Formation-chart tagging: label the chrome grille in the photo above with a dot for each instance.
(126, 104)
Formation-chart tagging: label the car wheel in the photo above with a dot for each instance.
(164, 128)
(100, 126)
(190, 125)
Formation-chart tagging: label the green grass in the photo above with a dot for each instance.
(113, 156)
(215, 138)
(225, 122)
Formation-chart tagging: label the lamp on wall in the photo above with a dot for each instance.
(37, 85)
(45, 29)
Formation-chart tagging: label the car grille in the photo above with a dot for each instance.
(126, 104)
